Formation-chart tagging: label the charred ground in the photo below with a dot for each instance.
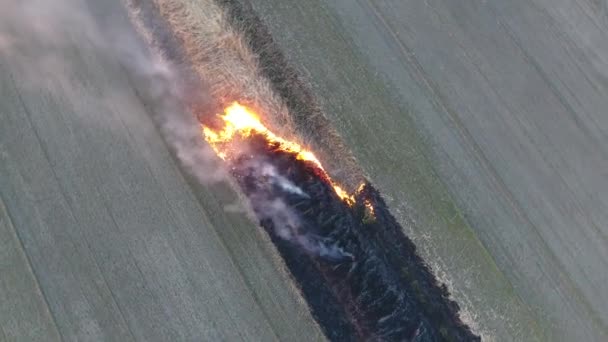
(359, 273)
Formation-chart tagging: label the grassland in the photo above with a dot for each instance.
(392, 154)
(485, 112)
(232, 71)
(415, 193)
(484, 139)
(103, 236)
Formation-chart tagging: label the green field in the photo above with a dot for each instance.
(102, 236)
(484, 124)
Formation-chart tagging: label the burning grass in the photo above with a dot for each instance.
(356, 253)
(214, 45)
(240, 122)
(359, 274)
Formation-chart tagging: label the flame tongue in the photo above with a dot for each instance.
(241, 123)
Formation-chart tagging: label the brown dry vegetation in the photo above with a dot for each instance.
(214, 47)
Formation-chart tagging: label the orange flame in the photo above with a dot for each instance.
(239, 121)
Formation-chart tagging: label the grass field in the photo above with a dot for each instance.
(481, 124)
(392, 154)
(415, 193)
(103, 236)
(492, 108)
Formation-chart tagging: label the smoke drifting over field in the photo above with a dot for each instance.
(61, 25)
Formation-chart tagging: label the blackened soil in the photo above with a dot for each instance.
(359, 273)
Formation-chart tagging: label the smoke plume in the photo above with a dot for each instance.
(39, 36)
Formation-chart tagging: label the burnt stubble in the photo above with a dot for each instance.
(357, 270)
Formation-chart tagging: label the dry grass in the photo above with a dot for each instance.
(221, 58)
(196, 38)
(217, 48)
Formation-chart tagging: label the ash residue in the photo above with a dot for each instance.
(360, 274)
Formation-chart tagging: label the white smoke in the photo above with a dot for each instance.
(269, 171)
(38, 36)
(287, 225)
(285, 221)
